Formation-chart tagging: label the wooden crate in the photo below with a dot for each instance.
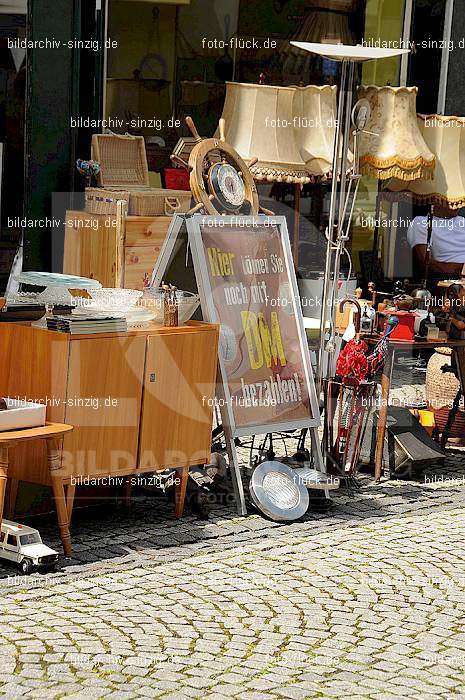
(116, 255)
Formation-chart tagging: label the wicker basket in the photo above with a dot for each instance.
(158, 202)
(124, 175)
(441, 390)
(100, 200)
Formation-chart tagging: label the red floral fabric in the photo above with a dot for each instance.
(352, 361)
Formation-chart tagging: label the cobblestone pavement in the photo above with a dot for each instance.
(364, 601)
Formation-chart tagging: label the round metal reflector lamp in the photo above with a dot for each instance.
(278, 491)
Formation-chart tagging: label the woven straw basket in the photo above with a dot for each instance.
(441, 390)
(124, 175)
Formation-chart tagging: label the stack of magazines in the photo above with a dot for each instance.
(86, 324)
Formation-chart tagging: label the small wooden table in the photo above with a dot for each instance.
(51, 433)
(457, 347)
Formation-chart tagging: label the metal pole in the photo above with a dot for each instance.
(295, 240)
(428, 245)
(331, 229)
(341, 236)
(376, 233)
(335, 244)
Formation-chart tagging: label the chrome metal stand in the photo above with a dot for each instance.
(338, 232)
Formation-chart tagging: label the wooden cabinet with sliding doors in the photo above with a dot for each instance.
(139, 401)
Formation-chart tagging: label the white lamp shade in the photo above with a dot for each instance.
(315, 119)
(259, 123)
(445, 136)
(344, 52)
(391, 144)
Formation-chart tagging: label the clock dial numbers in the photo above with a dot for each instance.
(226, 184)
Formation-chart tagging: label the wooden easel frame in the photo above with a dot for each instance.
(182, 224)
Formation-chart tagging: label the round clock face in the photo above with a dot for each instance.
(227, 186)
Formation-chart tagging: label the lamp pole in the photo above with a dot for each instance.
(340, 208)
(336, 236)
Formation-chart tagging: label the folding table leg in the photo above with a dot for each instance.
(4, 452)
(58, 488)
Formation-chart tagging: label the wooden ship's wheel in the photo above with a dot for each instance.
(220, 179)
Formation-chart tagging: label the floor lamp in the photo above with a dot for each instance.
(340, 210)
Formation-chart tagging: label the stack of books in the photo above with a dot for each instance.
(87, 324)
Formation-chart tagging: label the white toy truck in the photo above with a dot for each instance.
(23, 545)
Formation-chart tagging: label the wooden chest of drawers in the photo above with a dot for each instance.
(117, 253)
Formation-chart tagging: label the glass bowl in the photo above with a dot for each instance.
(188, 303)
(118, 300)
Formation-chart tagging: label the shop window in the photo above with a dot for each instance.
(12, 118)
(427, 38)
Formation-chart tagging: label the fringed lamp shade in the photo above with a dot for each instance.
(391, 144)
(315, 118)
(445, 136)
(259, 123)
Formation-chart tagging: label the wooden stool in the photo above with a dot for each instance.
(51, 433)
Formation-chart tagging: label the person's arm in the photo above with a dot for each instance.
(458, 323)
(442, 268)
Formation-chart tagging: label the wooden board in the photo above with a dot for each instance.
(145, 230)
(104, 439)
(138, 265)
(177, 401)
(91, 247)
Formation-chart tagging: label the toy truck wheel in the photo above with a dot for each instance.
(26, 566)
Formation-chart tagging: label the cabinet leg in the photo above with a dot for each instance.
(58, 488)
(3, 477)
(13, 485)
(180, 491)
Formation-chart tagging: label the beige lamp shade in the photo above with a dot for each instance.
(391, 144)
(445, 136)
(259, 123)
(315, 119)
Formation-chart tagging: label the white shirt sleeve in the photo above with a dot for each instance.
(417, 233)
